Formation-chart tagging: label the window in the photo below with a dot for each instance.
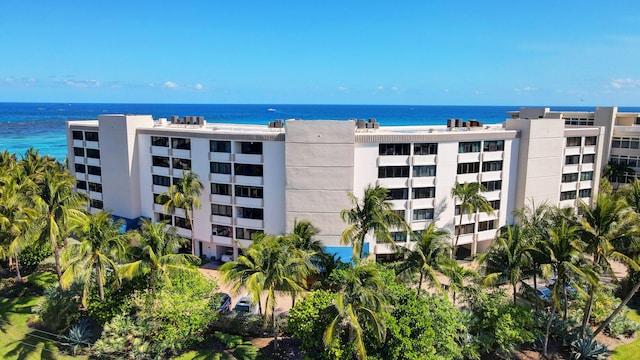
(468, 168)
(590, 140)
(464, 229)
(457, 211)
(94, 170)
(80, 168)
(586, 175)
(486, 225)
(161, 161)
(93, 153)
(250, 213)
(161, 180)
(423, 193)
(78, 151)
(567, 178)
(82, 185)
(95, 187)
(625, 143)
(221, 230)
(254, 148)
(469, 147)
(96, 204)
(400, 213)
(221, 189)
(220, 146)
(160, 141)
(249, 191)
(181, 143)
(495, 204)
(398, 194)
(182, 164)
(393, 149)
(77, 135)
(182, 223)
(248, 170)
(424, 171)
(160, 217)
(588, 158)
(246, 234)
(495, 145)
(396, 236)
(393, 172)
(220, 168)
(572, 160)
(584, 193)
(492, 165)
(574, 141)
(91, 136)
(422, 214)
(221, 210)
(567, 195)
(177, 181)
(425, 149)
(492, 185)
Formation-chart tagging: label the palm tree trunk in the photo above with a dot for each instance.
(275, 329)
(56, 255)
(18, 270)
(618, 309)
(193, 238)
(100, 285)
(564, 295)
(587, 311)
(455, 246)
(362, 245)
(546, 335)
(514, 294)
(535, 286)
(260, 305)
(420, 284)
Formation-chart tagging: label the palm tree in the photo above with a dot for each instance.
(507, 259)
(457, 276)
(614, 171)
(358, 300)
(469, 198)
(184, 195)
(372, 214)
(631, 193)
(101, 245)
(431, 249)
(604, 224)
(155, 254)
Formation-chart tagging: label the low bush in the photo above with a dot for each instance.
(241, 324)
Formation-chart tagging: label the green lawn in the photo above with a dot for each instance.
(629, 351)
(17, 340)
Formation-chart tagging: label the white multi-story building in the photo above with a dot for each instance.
(263, 178)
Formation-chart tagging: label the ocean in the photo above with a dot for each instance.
(42, 125)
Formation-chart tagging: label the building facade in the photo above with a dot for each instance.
(264, 178)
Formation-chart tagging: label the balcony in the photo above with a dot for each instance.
(464, 239)
(92, 145)
(220, 178)
(392, 183)
(185, 154)
(248, 158)
(221, 220)
(568, 186)
(159, 170)
(469, 157)
(491, 176)
(183, 232)
(423, 181)
(249, 223)
(248, 202)
(160, 150)
(573, 150)
(95, 195)
(423, 159)
(248, 180)
(391, 160)
(422, 203)
(492, 155)
(159, 189)
(94, 178)
(78, 143)
(220, 199)
(591, 149)
(467, 178)
(79, 160)
(81, 176)
(220, 157)
(93, 161)
(222, 240)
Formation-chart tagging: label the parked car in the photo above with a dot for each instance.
(224, 302)
(245, 305)
(570, 289)
(544, 293)
(227, 256)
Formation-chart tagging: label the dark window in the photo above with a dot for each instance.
(566, 178)
(81, 185)
(492, 165)
(160, 141)
(182, 223)
(464, 229)
(590, 140)
(80, 168)
(424, 170)
(220, 168)
(495, 145)
(181, 143)
(248, 169)
(468, 168)
(616, 143)
(423, 214)
(469, 147)
(95, 187)
(182, 164)
(221, 210)
(93, 153)
(586, 175)
(221, 230)
(492, 185)
(572, 159)
(425, 149)
(393, 172)
(249, 191)
(486, 225)
(584, 193)
(96, 204)
(254, 148)
(161, 180)
(574, 141)
(495, 204)
(176, 181)
(91, 136)
(398, 194)
(78, 151)
(161, 161)
(400, 213)
(221, 189)
(246, 234)
(396, 236)
(567, 195)
(588, 159)
(94, 170)
(250, 213)
(457, 211)
(393, 149)
(160, 217)
(77, 135)
(423, 193)
(220, 146)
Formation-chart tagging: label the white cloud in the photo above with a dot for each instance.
(9, 80)
(625, 83)
(170, 85)
(379, 87)
(83, 83)
(198, 86)
(342, 88)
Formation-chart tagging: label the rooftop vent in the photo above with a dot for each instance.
(188, 120)
(278, 124)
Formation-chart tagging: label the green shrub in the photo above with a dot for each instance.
(621, 326)
(246, 325)
(588, 349)
(59, 310)
(229, 341)
(123, 335)
(32, 256)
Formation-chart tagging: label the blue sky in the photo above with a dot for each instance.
(322, 52)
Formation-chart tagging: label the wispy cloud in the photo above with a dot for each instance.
(82, 83)
(170, 85)
(379, 87)
(10, 80)
(343, 89)
(198, 86)
(625, 83)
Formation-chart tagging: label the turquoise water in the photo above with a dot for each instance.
(42, 125)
